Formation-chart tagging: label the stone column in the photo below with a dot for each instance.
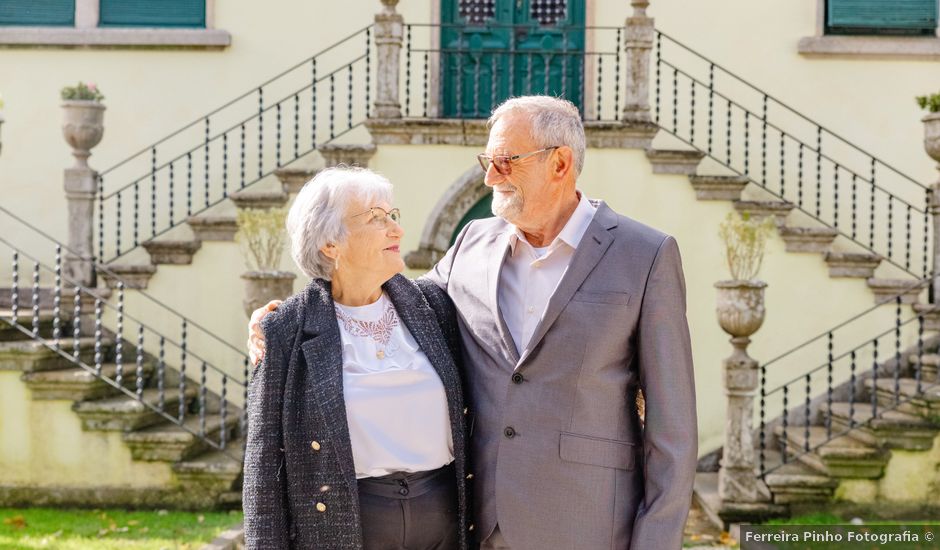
(740, 313)
(389, 29)
(639, 43)
(932, 146)
(83, 129)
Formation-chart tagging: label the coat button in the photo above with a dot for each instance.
(321, 507)
(470, 528)
(469, 476)
(509, 432)
(517, 378)
(315, 445)
(466, 411)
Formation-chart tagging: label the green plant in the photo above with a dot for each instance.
(262, 236)
(82, 91)
(930, 103)
(744, 239)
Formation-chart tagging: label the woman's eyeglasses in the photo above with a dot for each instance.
(380, 214)
(503, 163)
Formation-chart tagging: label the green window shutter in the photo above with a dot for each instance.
(152, 13)
(881, 16)
(37, 12)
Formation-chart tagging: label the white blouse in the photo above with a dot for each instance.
(396, 407)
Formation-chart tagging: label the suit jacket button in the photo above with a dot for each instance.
(517, 378)
(509, 432)
(321, 507)
(315, 445)
(403, 491)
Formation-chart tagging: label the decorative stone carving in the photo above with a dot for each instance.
(263, 286)
(932, 146)
(639, 44)
(389, 27)
(83, 129)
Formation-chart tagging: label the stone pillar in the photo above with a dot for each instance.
(737, 479)
(639, 43)
(389, 29)
(932, 146)
(83, 129)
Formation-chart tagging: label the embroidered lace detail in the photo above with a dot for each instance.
(379, 331)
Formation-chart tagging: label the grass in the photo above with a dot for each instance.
(29, 528)
(825, 518)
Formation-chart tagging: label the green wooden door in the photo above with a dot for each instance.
(494, 49)
(482, 209)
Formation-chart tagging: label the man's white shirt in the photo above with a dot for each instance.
(530, 275)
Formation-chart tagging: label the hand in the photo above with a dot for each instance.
(255, 336)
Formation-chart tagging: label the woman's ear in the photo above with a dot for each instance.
(330, 251)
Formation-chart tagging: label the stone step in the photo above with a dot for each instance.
(79, 384)
(931, 315)
(123, 413)
(887, 290)
(841, 457)
(214, 228)
(808, 239)
(134, 276)
(293, 179)
(852, 264)
(890, 429)
(718, 188)
(167, 442)
(764, 209)
(795, 482)
(666, 161)
(259, 199)
(929, 363)
(172, 252)
(47, 295)
(24, 318)
(907, 399)
(216, 473)
(33, 356)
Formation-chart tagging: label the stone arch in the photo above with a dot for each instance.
(466, 191)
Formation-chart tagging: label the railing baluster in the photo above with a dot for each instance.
(206, 155)
(425, 85)
(763, 144)
(15, 289)
(806, 416)
(241, 159)
(313, 105)
(852, 384)
(782, 166)
(918, 373)
(675, 100)
(871, 214)
(368, 87)
(897, 351)
(153, 194)
(99, 352)
(692, 111)
(874, 379)
(225, 165)
(260, 132)
(711, 102)
(829, 372)
(659, 65)
(35, 299)
(139, 374)
(854, 205)
(332, 104)
(57, 299)
(799, 177)
(728, 137)
(182, 381)
(835, 195)
(136, 214)
(785, 421)
(101, 251)
(223, 412)
(277, 135)
(407, 70)
(202, 400)
(161, 375)
(117, 226)
(77, 323)
(296, 126)
(171, 193)
(620, 50)
(818, 171)
(189, 185)
(762, 443)
(747, 143)
(119, 339)
(907, 238)
(890, 226)
(600, 80)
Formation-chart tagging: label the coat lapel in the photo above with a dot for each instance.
(323, 351)
(494, 267)
(591, 249)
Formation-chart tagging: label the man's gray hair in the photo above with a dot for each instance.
(554, 121)
(317, 217)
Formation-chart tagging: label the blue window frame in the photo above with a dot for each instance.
(53, 13)
(151, 13)
(911, 17)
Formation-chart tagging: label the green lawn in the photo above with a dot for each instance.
(28, 528)
(824, 518)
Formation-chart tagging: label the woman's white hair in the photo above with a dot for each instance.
(553, 121)
(317, 217)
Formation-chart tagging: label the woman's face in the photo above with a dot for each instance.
(371, 248)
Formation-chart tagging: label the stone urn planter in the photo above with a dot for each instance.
(263, 286)
(83, 127)
(740, 306)
(932, 135)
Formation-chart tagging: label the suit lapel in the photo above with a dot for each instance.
(323, 351)
(494, 267)
(591, 249)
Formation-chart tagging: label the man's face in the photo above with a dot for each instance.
(516, 197)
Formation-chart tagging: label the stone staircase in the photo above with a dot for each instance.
(133, 431)
(799, 237)
(219, 223)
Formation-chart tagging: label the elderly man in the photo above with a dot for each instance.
(566, 310)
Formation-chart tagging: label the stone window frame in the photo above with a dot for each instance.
(841, 46)
(86, 33)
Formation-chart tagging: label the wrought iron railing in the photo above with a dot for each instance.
(792, 157)
(235, 145)
(185, 384)
(794, 396)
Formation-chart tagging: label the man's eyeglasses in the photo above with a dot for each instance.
(381, 215)
(503, 163)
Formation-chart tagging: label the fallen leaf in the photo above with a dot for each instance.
(132, 522)
(17, 522)
(201, 518)
(162, 512)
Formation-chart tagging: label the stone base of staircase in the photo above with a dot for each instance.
(705, 494)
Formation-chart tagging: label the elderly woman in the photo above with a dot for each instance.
(356, 434)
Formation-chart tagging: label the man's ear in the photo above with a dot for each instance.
(562, 161)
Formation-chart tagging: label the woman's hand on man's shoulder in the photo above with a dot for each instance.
(255, 334)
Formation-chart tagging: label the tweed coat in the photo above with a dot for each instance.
(300, 488)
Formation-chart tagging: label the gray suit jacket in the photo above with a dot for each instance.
(561, 460)
(296, 397)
